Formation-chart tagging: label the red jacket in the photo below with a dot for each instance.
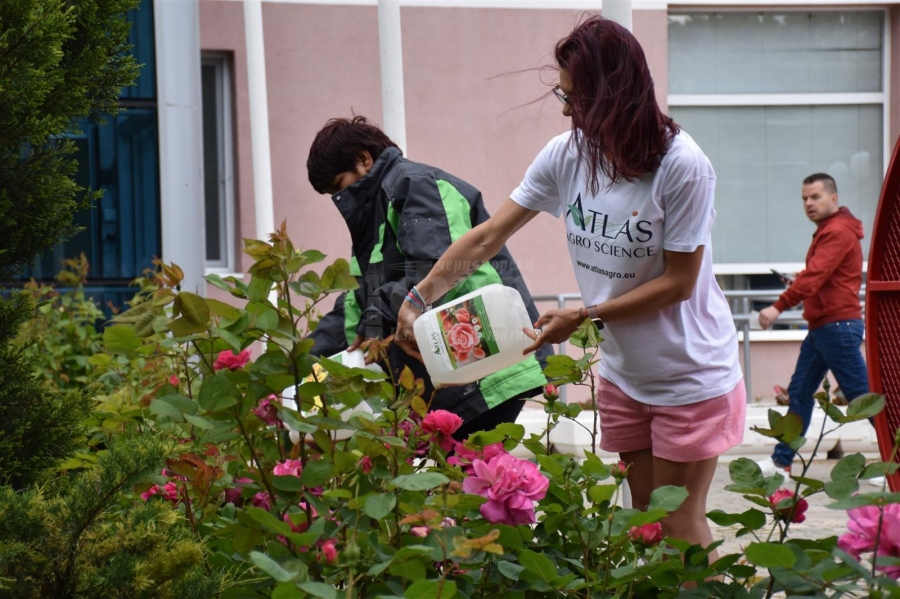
(829, 286)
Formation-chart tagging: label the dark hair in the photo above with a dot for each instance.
(617, 125)
(826, 179)
(337, 147)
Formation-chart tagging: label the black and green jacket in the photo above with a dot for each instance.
(402, 217)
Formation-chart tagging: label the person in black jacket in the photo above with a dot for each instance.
(402, 216)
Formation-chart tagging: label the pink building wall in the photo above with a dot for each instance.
(477, 102)
(477, 99)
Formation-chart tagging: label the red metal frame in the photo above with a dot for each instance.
(883, 312)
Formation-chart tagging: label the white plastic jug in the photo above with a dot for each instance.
(474, 335)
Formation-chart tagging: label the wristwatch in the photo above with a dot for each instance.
(592, 313)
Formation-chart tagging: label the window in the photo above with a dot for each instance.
(218, 164)
(771, 98)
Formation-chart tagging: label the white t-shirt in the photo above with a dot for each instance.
(687, 352)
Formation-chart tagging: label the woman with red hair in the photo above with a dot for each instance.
(636, 194)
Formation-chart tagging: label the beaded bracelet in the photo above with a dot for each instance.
(412, 299)
(415, 293)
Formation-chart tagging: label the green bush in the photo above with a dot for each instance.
(39, 427)
(330, 500)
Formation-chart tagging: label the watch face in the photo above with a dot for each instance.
(598, 323)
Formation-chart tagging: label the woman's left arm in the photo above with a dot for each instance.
(675, 284)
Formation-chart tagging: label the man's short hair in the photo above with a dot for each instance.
(337, 147)
(826, 179)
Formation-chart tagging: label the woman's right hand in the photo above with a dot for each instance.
(405, 336)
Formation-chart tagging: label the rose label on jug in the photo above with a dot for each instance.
(466, 333)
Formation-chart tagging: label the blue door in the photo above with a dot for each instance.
(121, 233)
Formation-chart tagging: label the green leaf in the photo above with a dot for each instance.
(337, 277)
(160, 407)
(200, 422)
(550, 466)
(841, 489)
(586, 336)
(315, 473)
(218, 282)
(667, 498)
(288, 483)
(182, 327)
(287, 590)
(193, 308)
(430, 589)
(601, 493)
(319, 589)
(848, 466)
(865, 406)
(258, 289)
(121, 339)
(246, 539)
(217, 393)
(228, 337)
(538, 564)
(312, 257)
(510, 570)
(770, 555)
(746, 472)
(420, 481)
(281, 573)
(379, 506)
(269, 521)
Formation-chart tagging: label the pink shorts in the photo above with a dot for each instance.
(687, 433)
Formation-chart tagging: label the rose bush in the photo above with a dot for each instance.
(329, 501)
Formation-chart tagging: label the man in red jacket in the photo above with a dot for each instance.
(829, 290)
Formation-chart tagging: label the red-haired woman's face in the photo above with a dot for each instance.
(565, 86)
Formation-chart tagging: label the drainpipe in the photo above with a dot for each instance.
(390, 52)
(259, 119)
(618, 11)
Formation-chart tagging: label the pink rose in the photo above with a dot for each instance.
(298, 528)
(329, 551)
(647, 534)
(168, 491)
(262, 500)
(463, 456)
(441, 424)
(173, 380)
(233, 494)
(864, 524)
(511, 486)
(267, 412)
(365, 464)
(232, 361)
(462, 338)
(288, 468)
(551, 392)
(146, 495)
(419, 531)
(782, 502)
(620, 470)
(462, 315)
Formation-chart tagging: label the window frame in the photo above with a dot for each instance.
(799, 99)
(222, 65)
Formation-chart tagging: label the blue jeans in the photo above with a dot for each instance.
(835, 347)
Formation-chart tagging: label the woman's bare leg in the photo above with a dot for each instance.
(689, 521)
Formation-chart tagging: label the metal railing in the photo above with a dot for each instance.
(741, 303)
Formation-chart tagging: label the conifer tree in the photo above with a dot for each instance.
(60, 61)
